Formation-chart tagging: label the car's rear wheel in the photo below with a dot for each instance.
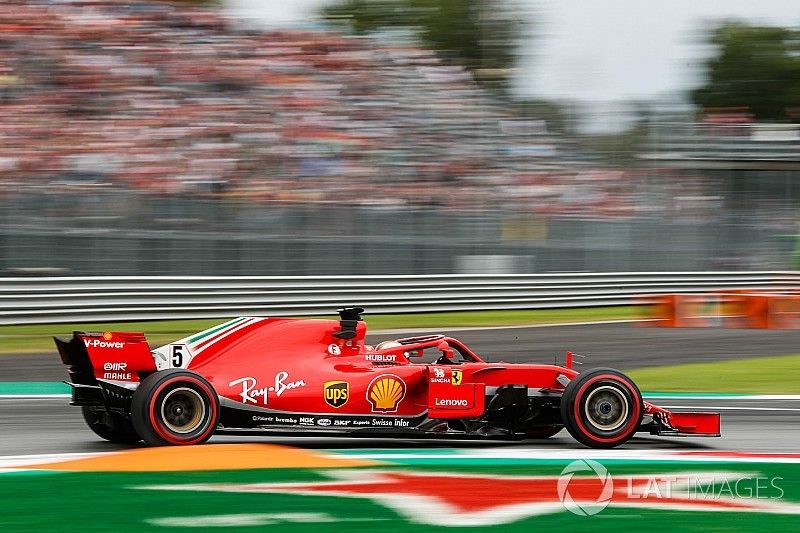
(110, 426)
(602, 408)
(175, 407)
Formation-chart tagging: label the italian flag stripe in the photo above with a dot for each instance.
(208, 349)
(210, 331)
(210, 341)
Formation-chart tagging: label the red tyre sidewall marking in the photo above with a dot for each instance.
(576, 410)
(158, 425)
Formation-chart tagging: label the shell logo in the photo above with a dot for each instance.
(385, 393)
(107, 335)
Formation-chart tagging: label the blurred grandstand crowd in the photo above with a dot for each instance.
(173, 99)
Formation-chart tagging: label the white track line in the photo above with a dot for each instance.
(13, 463)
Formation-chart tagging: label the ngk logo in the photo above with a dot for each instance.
(100, 343)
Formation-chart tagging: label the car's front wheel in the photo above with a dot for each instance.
(175, 407)
(602, 408)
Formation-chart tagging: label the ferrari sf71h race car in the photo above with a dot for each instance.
(254, 375)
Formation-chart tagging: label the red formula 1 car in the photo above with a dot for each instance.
(266, 374)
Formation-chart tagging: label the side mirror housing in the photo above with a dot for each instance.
(444, 347)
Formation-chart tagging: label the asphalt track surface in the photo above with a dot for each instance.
(33, 426)
(45, 426)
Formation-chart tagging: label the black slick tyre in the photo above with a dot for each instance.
(175, 407)
(602, 408)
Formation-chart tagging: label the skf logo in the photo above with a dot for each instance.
(336, 393)
(458, 375)
(385, 393)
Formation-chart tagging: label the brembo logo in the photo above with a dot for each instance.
(100, 343)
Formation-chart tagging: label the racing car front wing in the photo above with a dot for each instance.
(666, 422)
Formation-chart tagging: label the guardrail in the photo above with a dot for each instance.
(82, 299)
(726, 142)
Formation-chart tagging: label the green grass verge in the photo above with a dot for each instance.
(37, 338)
(762, 375)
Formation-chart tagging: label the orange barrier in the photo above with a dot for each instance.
(784, 312)
(684, 311)
(732, 309)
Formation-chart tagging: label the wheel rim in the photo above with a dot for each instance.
(606, 408)
(183, 410)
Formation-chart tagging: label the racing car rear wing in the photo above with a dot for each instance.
(110, 356)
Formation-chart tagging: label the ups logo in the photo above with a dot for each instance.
(336, 393)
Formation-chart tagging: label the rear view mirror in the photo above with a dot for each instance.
(444, 347)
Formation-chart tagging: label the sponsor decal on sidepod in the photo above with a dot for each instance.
(449, 402)
(385, 393)
(251, 392)
(336, 393)
(439, 376)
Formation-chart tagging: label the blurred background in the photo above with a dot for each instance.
(314, 137)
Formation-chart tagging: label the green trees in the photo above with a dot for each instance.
(754, 67)
(481, 35)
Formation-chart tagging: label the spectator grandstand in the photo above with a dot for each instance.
(171, 99)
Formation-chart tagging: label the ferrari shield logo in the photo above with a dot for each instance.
(456, 378)
(336, 393)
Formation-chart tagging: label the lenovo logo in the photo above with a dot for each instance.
(447, 402)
